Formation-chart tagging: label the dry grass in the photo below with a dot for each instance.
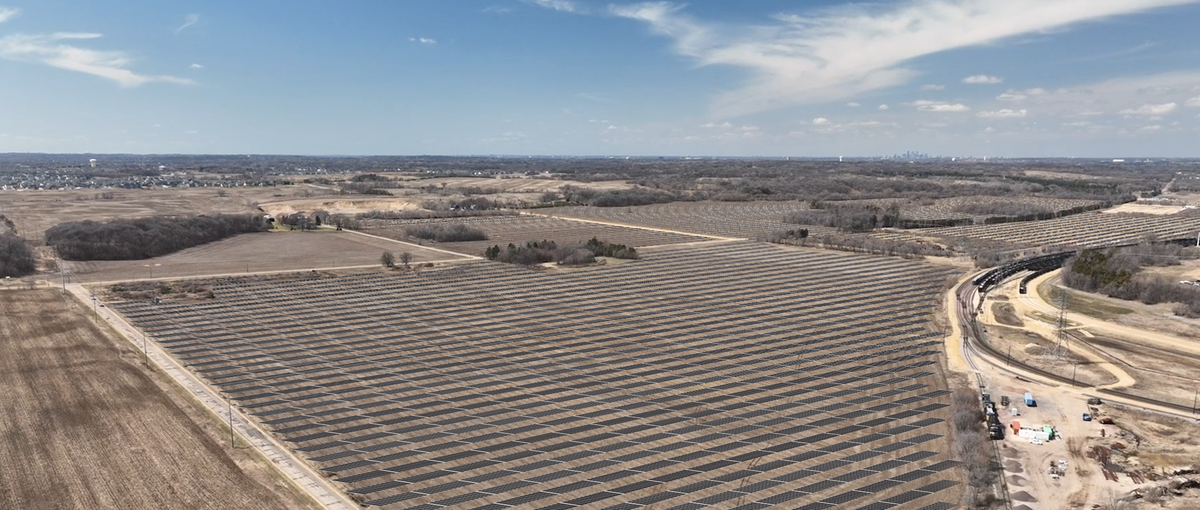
(84, 426)
(521, 229)
(34, 212)
(251, 253)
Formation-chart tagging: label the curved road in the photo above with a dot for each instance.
(973, 350)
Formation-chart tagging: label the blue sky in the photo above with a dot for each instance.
(1086, 78)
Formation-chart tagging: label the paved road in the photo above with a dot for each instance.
(293, 468)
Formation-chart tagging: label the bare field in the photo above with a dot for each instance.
(83, 425)
(533, 185)
(719, 375)
(751, 220)
(35, 211)
(252, 253)
(1145, 208)
(502, 230)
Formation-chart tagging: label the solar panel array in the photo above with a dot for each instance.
(1087, 230)
(736, 375)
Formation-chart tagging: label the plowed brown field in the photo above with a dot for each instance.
(83, 425)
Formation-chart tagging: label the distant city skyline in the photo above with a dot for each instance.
(976, 78)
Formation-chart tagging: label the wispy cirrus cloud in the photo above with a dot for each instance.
(1003, 114)
(422, 40)
(939, 106)
(1151, 109)
(834, 54)
(188, 21)
(559, 5)
(61, 50)
(7, 13)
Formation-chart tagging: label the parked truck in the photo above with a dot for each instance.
(1029, 401)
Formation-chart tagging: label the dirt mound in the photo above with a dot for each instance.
(1034, 349)
(1013, 466)
(1017, 481)
(1024, 497)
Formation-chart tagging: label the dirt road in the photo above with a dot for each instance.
(84, 425)
(1034, 301)
(642, 227)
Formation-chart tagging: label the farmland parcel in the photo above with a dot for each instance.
(732, 374)
(83, 425)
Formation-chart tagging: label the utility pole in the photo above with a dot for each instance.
(1194, 401)
(229, 410)
(1074, 366)
(1063, 340)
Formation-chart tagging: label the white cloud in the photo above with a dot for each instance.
(1155, 127)
(883, 107)
(939, 106)
(1003, 114)
(196, 66)
(422, 40)
(54, 51)
(1012, 95)
(496, 9)
(982, 79)
(852, 104)
(933, 87)
(834, 54)
(558, 5)
(190, 20)
(1151, 109)
(820, 121)
(1193, 102)
(7, 13)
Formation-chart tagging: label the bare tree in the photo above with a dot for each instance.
(388, 260)
(406, 259)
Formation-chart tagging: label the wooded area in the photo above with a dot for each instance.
(143, 238)
(568, 255)
(1117, 273)
(16, 257)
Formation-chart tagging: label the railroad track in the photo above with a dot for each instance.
(973, 343)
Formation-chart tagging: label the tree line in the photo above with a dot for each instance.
(143, 238)
(534, 253)
(1118, 273)
(453, 233)
(16, 257)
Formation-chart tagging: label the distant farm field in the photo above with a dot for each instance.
(34, 212)
(83, 425)
(720, 375)
(749, 220)
(502, 230)
(250, 253)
